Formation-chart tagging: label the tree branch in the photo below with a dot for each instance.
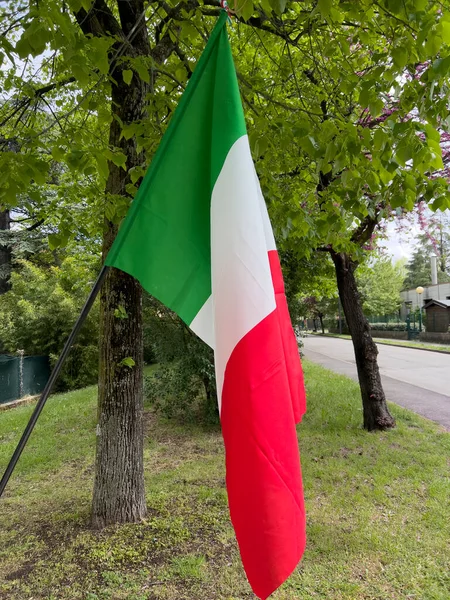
(37, 94)
(364, 231)
(99, 20)
(266, 96)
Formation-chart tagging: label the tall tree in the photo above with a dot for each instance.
(380, 283)
(114, 62)
(436, 241)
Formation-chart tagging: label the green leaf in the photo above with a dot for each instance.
(127, 362)
(385, 176)
(365, 96)
(23, 47)
(266, 6)
(436, 153)
(445, 24)
(36, 35)
(308, 144)
(441, 66)
(142, 70)
(410, 182)
(58, 152)
(324, 7)
(129, 130)
(136, 173)
(131, 190)
(54, 241)
(258, 144)
(102, 163)
(380, 140)
(81, 73)
(117, 157)
(120, 312)
(433, 43)
(188, 31)
(346, 179)
(400, 57)
(99, 49)
(373, 181)
(432, 133)
(404, 152)
(440, 203)
(330, 152)
(127, 75)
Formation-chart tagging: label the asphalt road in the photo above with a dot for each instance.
(416, 379)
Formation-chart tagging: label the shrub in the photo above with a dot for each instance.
(333, 326)
(39, 311)
(184, 385)
(388, 326)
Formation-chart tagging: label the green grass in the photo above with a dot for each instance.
(377, 504)
(388, 342)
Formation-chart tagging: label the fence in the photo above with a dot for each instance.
(22, 376)
(394, 319)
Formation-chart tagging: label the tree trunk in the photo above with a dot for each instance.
(376, 412)
(5, 255)
(321, 324)
(119, 494)
(119, 491)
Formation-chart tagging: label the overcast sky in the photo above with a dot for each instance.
(400, 246)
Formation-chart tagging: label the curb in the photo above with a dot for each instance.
(20, 402)
(376, 340)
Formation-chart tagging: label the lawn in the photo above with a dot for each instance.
(404, 343)
(377, 504)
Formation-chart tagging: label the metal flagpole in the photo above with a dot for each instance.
(49, 386)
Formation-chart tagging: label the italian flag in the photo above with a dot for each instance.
(199, 239)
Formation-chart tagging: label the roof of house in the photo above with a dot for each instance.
(441, 303)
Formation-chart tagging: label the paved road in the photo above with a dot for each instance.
(415, 379)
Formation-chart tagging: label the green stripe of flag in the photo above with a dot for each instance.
(165, 239)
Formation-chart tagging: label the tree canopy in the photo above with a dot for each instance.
(353, 94)
(380, 283)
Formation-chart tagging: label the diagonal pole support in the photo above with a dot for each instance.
(54, 375)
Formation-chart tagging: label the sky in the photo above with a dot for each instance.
(400, 246)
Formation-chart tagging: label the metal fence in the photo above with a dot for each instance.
(395, 319)
(22, 376)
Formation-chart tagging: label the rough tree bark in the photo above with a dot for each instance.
(119, 493)
(5, 254)
(375, 410)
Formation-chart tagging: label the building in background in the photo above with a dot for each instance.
(422, 295)
(438, 315)
(411, 300)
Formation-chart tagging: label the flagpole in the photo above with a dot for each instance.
(54, 374)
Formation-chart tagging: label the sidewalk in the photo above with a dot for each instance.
(411, 378)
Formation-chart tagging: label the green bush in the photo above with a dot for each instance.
(333, 325)
(184, 385)
(388, 326)
(39, 311)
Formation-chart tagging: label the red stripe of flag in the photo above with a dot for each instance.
(262, 398)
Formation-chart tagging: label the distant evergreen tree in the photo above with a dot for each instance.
(419, 266)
